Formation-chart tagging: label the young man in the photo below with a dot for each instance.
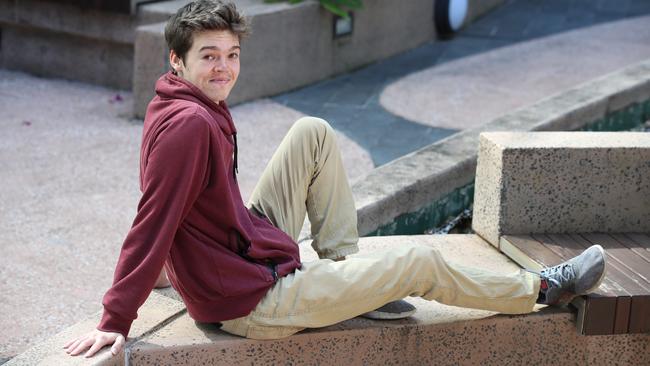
(240, 266)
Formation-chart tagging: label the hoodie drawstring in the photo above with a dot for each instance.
(235, 168)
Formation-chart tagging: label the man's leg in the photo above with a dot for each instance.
(305, 175)
(360, 284)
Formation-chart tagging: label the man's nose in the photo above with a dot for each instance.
(220, 63)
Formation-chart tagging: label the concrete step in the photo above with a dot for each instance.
(51, 39)
(291, 46)
(436, 334)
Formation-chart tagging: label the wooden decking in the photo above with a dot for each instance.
(622, 303)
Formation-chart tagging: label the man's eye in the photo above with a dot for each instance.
(234, 55)
(208, 57)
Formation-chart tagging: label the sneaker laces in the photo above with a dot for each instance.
(559, 274)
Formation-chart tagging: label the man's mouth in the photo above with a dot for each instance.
(220, 81)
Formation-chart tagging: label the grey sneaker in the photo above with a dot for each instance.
(578, 276)
(399, 309)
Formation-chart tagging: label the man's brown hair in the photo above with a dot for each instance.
(202, 15)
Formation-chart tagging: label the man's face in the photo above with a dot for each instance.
(211, 64)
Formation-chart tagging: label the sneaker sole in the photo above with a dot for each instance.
(380, 315)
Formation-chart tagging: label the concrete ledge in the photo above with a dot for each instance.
(539, 338)
(562, 182)
(156, 311)
(436, 334)
(411, 183)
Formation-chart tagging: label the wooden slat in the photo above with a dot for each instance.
(623, 314)
(640, 315)
(637, 242)
(632, 245)
(640, 239)
(600, 315)
(618, 272)
(639, 321)
(562, 245)
(623, 255)
(528, 252)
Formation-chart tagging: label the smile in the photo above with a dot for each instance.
(220, 81)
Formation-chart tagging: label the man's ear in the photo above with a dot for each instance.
(176, 62)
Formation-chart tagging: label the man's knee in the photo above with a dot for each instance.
(314, 127)
(411, 252)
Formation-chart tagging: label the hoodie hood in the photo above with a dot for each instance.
(170, 86)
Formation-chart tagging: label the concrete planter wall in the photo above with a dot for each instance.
(422, 189)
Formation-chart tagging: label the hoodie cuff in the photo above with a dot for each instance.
(112, 322)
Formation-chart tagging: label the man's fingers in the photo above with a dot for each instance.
(119, 343)
(99, 343)
(74, 344)
(82, 346)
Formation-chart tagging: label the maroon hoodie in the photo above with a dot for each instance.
(220, 257)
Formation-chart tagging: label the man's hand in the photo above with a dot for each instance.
(95, 340)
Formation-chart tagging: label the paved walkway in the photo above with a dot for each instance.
(69, 154)
(434, 106)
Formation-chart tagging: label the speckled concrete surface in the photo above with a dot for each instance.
(402, 186)
(474, 90)
(436, 334)
(69, 171)
(155, 311)
(562, 182)
(547, 337)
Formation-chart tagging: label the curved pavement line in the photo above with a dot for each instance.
(475, 90)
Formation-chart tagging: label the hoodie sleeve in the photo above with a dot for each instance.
(174, 176)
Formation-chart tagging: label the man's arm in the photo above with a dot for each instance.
(174, 177)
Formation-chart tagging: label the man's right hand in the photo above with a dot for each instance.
(95, 340)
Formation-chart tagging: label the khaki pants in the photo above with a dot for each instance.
(306, 175)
